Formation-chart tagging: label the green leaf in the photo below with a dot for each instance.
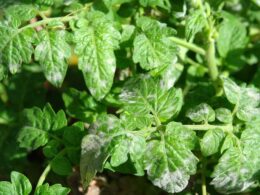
(40, 126)
(7, 188)
(230, 141)
(56, 189)
(15, 46)
(169, 162)
(51, 149)
(127, 32)
(61, 165)
(232, 36)
(211, 141)
(20, 185)
(144, 95)
(223, 115)
(169, 74)
(96, 41)
(52, 51)
(73, 134)
(153, 47)
(81, 105)
(238, 168)
(200, 113)
(194, 24)
(232, 90)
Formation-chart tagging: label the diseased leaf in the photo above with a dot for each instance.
(223, 115)
(52, 51)
(110, 138)
(153, 47)
(128, 144)
(96, 41)
(92, 158)
(17, 14)
(200, 113)
(145, 95)
(169, 162)
(15, 46)
(239, 166)
(246, 99)
(211, 141)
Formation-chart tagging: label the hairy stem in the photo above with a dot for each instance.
(43, 175)
(188, 45)
(205, 127)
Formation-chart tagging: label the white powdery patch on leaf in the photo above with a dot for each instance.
(55, 77)
(172, 182)
(14, 67)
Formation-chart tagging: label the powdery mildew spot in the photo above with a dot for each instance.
(55, 77)
(173, 182)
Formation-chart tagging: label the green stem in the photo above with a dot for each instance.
(188, 45)
(235, 110)
(226, 128)
(43, 175)
(46, 21)
(203, 179)
(211, 60)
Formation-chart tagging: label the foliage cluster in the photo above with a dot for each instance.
(169, 90)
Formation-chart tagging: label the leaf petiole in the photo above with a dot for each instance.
(188, 45)
(43, 175)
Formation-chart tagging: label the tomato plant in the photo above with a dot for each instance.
(160, 89)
